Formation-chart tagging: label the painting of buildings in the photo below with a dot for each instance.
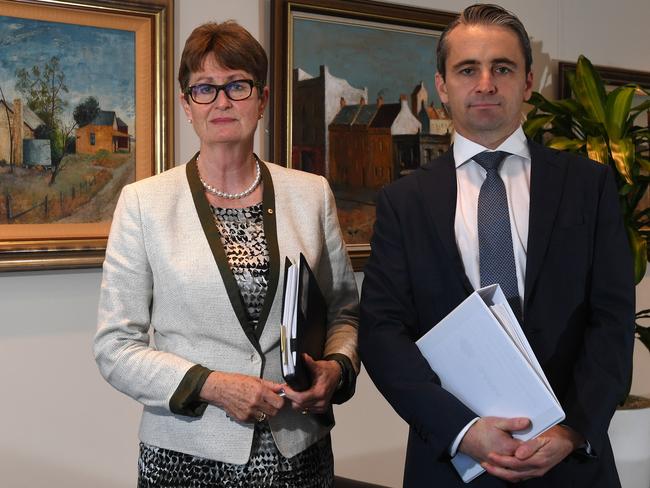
(65, 119)
(106, 132)
(352, 144)
(370, 116)
(315, 104)
(372, 145)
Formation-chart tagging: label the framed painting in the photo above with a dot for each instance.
(85, 108)
(354, 99)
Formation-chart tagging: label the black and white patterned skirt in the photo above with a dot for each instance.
(266, 468)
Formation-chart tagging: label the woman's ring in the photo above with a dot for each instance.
(261, 417)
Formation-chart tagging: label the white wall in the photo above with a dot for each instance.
(61, 425)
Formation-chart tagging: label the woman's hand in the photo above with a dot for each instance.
(245, 398)
(325, 378)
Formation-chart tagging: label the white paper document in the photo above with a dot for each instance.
(483, 358)
(289, 320)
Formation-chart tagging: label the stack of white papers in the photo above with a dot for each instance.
(288, 327)
(483, 358)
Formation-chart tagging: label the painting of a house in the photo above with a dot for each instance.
(106, 132)
(315, 104)
(18, 143)
(367, 143)
(353, 142)
(67, 120)
(356, 117)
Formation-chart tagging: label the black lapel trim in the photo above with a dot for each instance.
(271, 234)
(438, 190)
(547, 179)
(214, 240)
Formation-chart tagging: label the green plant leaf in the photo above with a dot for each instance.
(603, 127)
(565, 144)
(567, 106)
(535, 123)
(617, 111)
(590, 90)
(639, 246)
(589, 127)
(623, 152)
(597, 149)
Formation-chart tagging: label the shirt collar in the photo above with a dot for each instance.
(464, 149)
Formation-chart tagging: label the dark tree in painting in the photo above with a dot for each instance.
(86, 111)
(43, 89)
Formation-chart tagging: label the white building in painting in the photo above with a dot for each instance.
(405, 123)
(434, 120)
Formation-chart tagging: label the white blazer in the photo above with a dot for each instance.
(164, 270)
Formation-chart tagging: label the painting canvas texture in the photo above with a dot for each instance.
(364, 109)
(67, 121)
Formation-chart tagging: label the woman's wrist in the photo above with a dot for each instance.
(187, 399)
(341, 381)
(346, 385)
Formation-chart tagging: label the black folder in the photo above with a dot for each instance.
(311, 325)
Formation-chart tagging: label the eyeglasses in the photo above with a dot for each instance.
(236, 90)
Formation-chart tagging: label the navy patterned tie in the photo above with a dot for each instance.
(496, 255)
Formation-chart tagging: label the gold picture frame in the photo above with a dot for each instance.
(311, 30)
(147, 143)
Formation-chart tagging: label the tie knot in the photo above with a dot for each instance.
(490, 160)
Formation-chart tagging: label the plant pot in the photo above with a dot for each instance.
(629, 433)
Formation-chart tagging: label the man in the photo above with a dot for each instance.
(561, 257)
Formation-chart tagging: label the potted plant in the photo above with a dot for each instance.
(601, 125)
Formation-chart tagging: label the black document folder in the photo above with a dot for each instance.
(304, 323)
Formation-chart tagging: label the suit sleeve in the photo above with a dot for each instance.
(387, 334)
(340, 290)
(121, 344)
(602, 371)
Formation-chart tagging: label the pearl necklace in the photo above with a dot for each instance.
(233, 196)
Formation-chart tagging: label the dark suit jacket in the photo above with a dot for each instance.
(578, 308)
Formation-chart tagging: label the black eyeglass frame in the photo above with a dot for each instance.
(251, 83)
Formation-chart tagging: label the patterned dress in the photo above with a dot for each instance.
(242, 235)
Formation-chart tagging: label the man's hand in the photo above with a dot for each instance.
(492, 435)
(534, 458)
(325, 377)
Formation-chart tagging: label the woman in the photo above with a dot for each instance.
(194, 253)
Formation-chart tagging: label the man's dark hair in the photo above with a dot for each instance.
(485, 14)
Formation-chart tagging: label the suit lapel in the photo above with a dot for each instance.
(214, 241)
(271, 235)
(546, 186)
(438, 191)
